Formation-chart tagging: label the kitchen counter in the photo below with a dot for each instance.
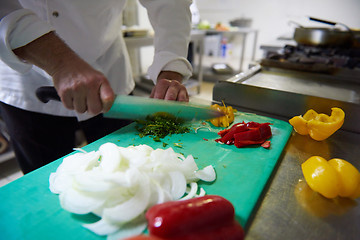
(289, 209)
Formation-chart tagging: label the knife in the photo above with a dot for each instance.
(134, 107)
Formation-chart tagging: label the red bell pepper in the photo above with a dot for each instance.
(208, 218)
(266, 144)
(227, 134)
(143, 237)
(244, 134)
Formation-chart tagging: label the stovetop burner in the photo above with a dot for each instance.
(341, 63)
(330, 57)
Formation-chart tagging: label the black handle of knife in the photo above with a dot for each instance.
(45, 94)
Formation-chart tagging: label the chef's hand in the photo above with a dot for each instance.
(82, 88)
(79, 86)
(169, 87)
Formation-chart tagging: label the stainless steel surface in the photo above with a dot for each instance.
(289, 93)
(316, 36)
(289, 209)
(323, 37)
(306, 84)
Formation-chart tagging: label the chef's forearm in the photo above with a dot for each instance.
(48, 52)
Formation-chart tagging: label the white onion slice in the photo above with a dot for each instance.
(202, 193)
(110, 157)
(206, 174)
(133, 228)
(102, 227)
(192, 192)
(119, 184)
(131, 208)
(178, 187)
(76, 202)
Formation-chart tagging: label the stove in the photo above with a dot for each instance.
(342, 63)
(292, 79)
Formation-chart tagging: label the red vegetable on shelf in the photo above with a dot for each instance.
(244, 134)
(209, 217)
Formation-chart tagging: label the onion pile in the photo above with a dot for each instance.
(119, 184)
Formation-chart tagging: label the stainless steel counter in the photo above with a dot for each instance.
(289, 209)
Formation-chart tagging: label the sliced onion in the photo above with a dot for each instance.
(178, 182)
(119, 184)
(131, 208)
(206, 174)
(192, 192)
(133, 228)
(110, 157)
(102, 227)
(76, 202)
(92, 182)
(79, 162)
(202, 193)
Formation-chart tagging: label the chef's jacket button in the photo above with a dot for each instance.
(55, 13)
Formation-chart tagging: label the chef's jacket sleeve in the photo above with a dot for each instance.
(171, 20)
(18, 27)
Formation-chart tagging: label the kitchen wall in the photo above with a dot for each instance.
(271, 17)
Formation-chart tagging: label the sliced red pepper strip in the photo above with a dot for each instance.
(227, 136)
(253, 124)
(253, 134)
(246, 143)
(209, 217)
(265, 130)
(266, 144)
(244, 134)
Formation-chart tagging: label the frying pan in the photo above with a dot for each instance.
(323, 37)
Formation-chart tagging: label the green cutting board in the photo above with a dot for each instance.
(28, 209)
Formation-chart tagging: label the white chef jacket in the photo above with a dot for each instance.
(92, 28)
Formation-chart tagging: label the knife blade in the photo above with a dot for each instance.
(135, 107)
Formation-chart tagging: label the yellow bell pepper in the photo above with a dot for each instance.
(318, 126)
(225, 120)
(332, 178)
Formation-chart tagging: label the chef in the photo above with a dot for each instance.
(77, 47)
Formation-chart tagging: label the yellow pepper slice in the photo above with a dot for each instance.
(332, 178)
(225, 120)
(348, 176)
(318, 126)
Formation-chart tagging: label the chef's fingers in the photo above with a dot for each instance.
(67, 100)
(183, 96)
(176, 91)
(160, 89)
(79, 101)
(107, 96)
(152, 92)
(169, 90)
(94, 104)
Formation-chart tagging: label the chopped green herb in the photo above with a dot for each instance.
(160, 125)
(164, 144)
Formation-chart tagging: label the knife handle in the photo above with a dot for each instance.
(45, 94)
